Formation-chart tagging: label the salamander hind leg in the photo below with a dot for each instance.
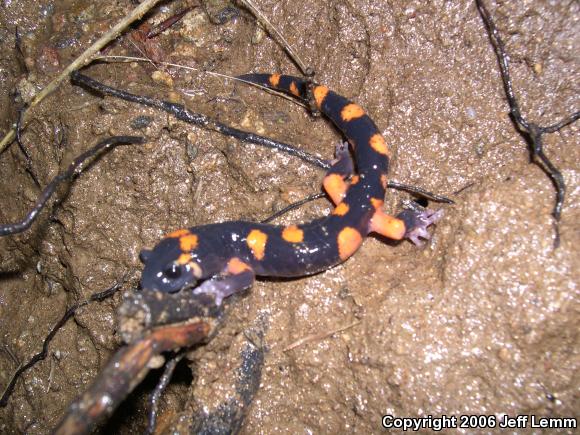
(236, 277)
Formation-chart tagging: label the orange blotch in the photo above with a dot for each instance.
(294, 89)
(274, 80)
(320, 93)
(335, 186)
(377, 143)
(341, 209)
(237, 266)
(196, 268)
(177, 233)
(348, 241)
(387, 226)
(188, 243)
(355, 179)
(384, 181)
(293, 234)
(351, 111)
(377, 203)
(184, 259)
(256, 240)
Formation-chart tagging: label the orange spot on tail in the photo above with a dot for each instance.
(320, 93)
(294, 89)
(348, 241)
(293, 234)
(377, 143)
(351, 111)
(237, 266)
(256, 241)
(274, 80)
(335, 186)
(188, 242)
(341, 209)
(177, 233)
(387, 226)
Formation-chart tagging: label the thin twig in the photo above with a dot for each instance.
(307, 71)
(419, 191)
(159, 389)
(318, 337)
(166, 24)
(85, 58)
(263, 20)
(531, 131)
(115, 58)
(74, 168)
(20, 143)
(42, 354)
(293, 206)
(183, 114)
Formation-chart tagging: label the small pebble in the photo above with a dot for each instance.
(141, 122)
(162, 77)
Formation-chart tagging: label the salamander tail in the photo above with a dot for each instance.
(288, 84)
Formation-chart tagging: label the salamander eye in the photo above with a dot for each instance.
(173, 271)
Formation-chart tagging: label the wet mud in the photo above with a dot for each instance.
(483, 320)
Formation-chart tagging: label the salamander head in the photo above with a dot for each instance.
(165, 269)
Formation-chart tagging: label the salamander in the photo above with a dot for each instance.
(224, 258)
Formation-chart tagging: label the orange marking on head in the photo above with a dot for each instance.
(274, 80)
(256, 240)
(188, 243)
(293, 234)
(341, 209)
(377, 203)
(387, 226)
(183, 259)
(196, 268)
(335, 186)
(348, 241)
(320, 93)
(294, 89)
(355, 179)
(177, 233)
(384, 181)
(351, 111)
(237, 266)
(377, 143)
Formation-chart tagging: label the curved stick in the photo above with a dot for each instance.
(74, 168)
(183, 114)
(124, 372)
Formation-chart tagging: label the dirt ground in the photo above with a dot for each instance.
(483, 320)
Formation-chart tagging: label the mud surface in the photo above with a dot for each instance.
(484, 320)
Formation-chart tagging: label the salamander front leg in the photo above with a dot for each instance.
(411, 223)
(417, 221)
(236, 277)
(342, 167)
